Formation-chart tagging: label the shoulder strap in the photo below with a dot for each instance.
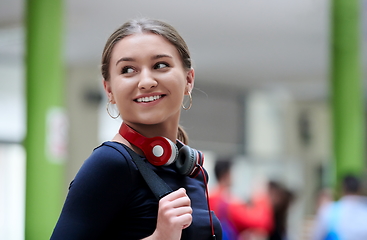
(155, 183)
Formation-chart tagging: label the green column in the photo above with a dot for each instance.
(346, 89)
(45, 120)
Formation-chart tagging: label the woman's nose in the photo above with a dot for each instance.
(147, 81)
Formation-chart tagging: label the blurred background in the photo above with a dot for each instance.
(262, 95)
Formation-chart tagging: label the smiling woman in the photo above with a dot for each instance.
(147, 71)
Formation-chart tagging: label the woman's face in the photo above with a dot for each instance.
(147, 79)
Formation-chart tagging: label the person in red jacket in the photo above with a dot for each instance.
(238, 217)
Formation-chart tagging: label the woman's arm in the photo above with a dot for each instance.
(99, 189)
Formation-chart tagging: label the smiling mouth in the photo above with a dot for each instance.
(148, 99)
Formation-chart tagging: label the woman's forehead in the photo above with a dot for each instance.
(143, 44)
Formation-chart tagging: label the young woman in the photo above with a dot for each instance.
(147, 71)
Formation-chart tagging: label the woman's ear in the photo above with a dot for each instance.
(107, 89)
(190, 79)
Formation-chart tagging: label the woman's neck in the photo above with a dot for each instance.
(163, 130)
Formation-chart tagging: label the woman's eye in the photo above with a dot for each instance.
(161, 65)
(127, 70)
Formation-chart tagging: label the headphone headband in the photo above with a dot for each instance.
(131, 135)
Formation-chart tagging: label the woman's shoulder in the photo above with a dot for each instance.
(111, 151)
(110, 160)
(107, 156)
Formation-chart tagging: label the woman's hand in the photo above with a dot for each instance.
(174, 214)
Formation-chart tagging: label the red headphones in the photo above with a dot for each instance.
(162, 151)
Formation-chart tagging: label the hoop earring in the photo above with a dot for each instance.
(187, 108)
(108, 111)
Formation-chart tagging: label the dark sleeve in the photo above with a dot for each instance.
(98, 192)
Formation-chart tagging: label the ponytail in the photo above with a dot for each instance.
(182, 135)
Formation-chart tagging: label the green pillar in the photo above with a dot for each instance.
(346, 89)
(46, 125)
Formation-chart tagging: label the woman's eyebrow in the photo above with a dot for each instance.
(129, 59)
(125, 59)
(161, 56)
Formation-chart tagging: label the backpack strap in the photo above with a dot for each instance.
(155, 183)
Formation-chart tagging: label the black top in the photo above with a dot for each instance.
(109, 199)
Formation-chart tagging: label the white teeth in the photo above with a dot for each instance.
(148, 99)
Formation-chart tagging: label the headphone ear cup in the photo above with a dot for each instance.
(160, 151)
(198, 164)
(174, 153)
(186, 162)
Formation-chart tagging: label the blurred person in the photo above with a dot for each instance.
(281, 199)
(240, 220)
(325, 196)
(146, 69)
(345, 219)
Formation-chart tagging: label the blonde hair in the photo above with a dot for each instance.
(152, 26)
